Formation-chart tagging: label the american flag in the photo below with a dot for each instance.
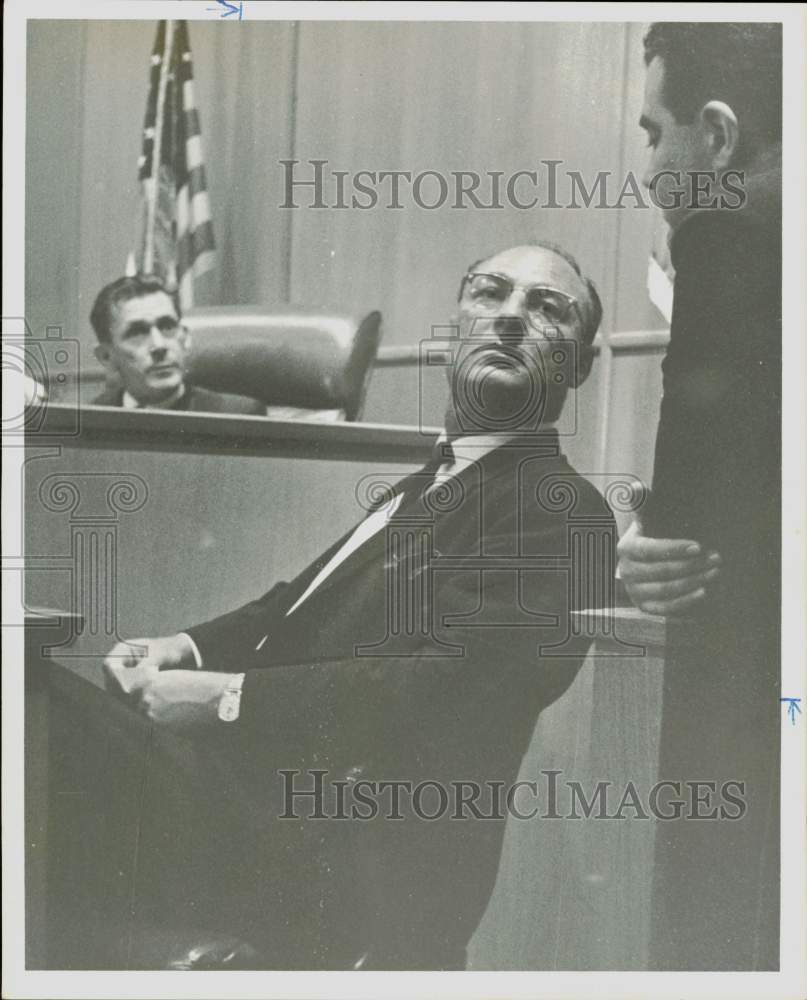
(175, 238)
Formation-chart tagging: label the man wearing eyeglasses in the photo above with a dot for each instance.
(421, 647)
(143, 346)
(508, 322)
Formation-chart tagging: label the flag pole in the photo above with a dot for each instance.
(152, 195)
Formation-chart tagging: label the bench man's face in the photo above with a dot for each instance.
(517, 310)
(147, 347)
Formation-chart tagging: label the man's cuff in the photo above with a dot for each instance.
(194, 649)
(230, 701)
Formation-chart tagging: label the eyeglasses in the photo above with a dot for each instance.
(543, 304)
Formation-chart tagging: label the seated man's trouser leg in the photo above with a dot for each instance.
(160, 839)
(152, 832)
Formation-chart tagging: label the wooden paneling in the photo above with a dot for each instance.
(633, 415)
(575, 893)
(244, 90)
(449, 97)
(214, 531)
(53, 140)
(113, 103)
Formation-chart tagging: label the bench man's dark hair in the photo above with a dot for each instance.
(122, 290)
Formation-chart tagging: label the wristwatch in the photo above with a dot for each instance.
(230, 700)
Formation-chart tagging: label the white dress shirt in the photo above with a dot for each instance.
(130, 403)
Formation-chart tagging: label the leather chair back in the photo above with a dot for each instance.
(284, 355)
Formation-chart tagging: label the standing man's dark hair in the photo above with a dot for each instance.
(739, 64)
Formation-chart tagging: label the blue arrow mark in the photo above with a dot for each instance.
(792, 708)
(231, 8)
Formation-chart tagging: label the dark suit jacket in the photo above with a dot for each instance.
(454, 701)
(197, 400)
(718, 459)
(717, 479)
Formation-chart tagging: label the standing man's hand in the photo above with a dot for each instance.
(172, 652)
(664, 576)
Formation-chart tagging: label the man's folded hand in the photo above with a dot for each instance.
(183, 699)
(170, 652)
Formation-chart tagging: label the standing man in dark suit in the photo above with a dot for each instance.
(421, 647)
(709, 542)
(143, 344)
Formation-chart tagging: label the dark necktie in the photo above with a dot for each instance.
(425, 481)
(443, 453)
(442, 461)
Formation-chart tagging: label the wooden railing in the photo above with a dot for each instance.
(233, 434)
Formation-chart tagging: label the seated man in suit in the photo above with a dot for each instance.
(420, 648)
(143, 345)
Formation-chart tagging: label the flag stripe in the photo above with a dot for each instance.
(191, 210)
(191, 122)
(197, 181)
(180, 228)
(193, 243)
(182, 210)
(200, 208)
(187, 94)
(193, 152)
(204, 262)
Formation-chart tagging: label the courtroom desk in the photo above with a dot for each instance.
(575, 893)
(153, 521)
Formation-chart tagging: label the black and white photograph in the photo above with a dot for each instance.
(404, 499)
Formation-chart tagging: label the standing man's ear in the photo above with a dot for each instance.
(722, 131)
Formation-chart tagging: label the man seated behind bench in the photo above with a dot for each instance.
(143, 345)
(322, 672)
